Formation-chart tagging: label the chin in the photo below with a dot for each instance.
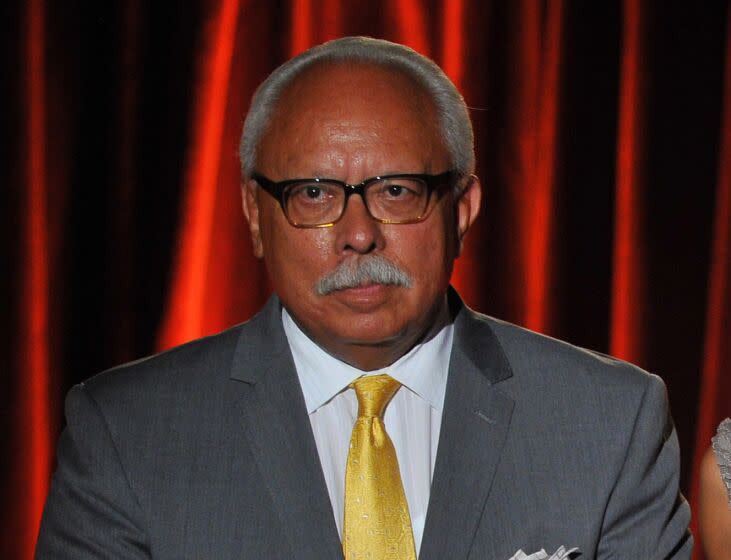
(376, 329)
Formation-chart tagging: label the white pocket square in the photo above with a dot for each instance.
(561, 554)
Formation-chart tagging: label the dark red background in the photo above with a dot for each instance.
(604, 142)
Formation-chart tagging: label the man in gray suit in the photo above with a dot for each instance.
(358, 187)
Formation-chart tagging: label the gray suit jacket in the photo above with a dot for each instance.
(206, 452)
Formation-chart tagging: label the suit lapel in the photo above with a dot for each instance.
(475, 424)
(268, 394)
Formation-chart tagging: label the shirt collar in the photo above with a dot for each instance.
(423, 370)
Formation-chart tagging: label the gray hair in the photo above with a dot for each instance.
(454, 120)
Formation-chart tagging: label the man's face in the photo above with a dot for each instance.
(351, 123)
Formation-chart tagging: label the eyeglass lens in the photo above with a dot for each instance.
(394, 199)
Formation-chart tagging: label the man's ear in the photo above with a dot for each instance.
(250, 205)
(468, 208)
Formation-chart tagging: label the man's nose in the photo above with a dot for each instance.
(356, 230)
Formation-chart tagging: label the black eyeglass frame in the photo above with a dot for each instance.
(438, 184)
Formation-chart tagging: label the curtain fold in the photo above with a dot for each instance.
(33, 422)
(187, 306)
(538, 204)
(603, 138)
(627, 278)
(409, 25)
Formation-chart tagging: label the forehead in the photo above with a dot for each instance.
(350, 82)
(352, 111)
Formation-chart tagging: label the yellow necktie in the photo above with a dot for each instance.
(377, 523)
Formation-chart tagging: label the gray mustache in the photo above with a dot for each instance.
(373, 269)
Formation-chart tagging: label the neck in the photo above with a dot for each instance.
(370, 357)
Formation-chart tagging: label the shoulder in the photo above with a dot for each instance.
(200, 361)
(559, 387)
(538, 359)
(190, 371)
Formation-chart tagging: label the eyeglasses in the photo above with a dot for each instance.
(390, 199)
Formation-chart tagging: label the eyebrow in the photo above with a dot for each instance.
(326, 176)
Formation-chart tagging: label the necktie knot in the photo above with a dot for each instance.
(374, 393)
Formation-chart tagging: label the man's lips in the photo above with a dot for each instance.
(363, 296)
(370, 286)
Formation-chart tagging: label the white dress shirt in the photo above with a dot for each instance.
(413, 418)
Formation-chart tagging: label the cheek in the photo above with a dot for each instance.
(426, 255)
(295, 258)
(439, 250)
(437, 267)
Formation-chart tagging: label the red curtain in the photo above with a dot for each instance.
(33, 400)
(603, 139)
